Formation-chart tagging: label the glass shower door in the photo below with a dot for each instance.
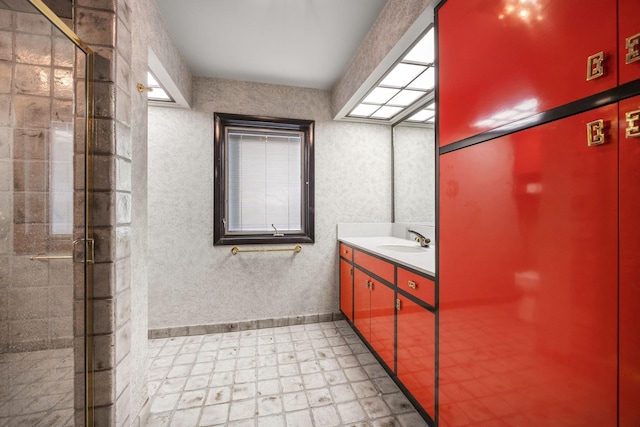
(42, 220)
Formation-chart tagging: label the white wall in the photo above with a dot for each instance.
(191, 282)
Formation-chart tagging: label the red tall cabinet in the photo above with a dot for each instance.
(538, 209)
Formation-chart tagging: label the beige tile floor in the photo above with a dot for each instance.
(36, 388)
(317, 374)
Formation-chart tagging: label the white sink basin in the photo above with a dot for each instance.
(402, 248)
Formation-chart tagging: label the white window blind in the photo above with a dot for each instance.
(264, 182)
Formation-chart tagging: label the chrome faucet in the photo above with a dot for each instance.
(424, 241)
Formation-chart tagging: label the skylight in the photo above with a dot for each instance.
(409, 82)
(157, 93)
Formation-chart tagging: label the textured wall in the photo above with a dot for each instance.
(414, 174)
(191, 282)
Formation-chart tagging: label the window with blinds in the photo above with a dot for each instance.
(263, 180)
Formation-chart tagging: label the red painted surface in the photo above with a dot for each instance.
(629, 269)
(529, 278)
(424, 288)
(382, 322)
(362, 303)
(375, 265)
(628, 27)
(494, 70)
(416, 352)
(346, 289)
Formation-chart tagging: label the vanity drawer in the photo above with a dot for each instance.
(374, 265)
(417, 285)
(346, 252)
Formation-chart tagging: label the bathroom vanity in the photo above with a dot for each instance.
(388, 295)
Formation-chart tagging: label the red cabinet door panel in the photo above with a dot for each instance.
(528, 268)
(629, 263)
(629, 40)
(500, 61)
(416, 352)
(362, 303)
(374, 265)
(346, 289)
(382, 321)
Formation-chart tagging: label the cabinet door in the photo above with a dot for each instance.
(629, 40)
(416, 352)
(382, 321)
(630, 262)
(529, 276)
(500, 61)
(362, 303)
(346, 289)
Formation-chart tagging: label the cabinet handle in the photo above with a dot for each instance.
(595, 133)
(633, 53)
(594, 66)
(398, 304)
(346, 251)
(633, 128)
(370, 284)
(351, 272)
(412, 284)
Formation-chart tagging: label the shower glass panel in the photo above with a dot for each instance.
(43, 227)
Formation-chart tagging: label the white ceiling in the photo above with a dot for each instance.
(305, 43)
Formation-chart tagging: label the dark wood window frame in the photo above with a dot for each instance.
(221, 122)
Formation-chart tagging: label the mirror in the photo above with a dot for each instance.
(413, 145)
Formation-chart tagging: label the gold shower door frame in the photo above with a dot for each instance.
(88, 238)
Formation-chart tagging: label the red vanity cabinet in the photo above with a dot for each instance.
(529, 277)
(416, 351)
(394, 312)
(628, 40)
(500, 61)
(629, 266)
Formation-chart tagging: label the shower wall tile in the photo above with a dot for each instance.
(123, 275)
(98, 4)
(32, 80)
(123, 106)
(62, 111)
(123, 174)
(6, 76)
(61, 274)
(103, 208)
(6, 118)
(61, 331)
(30, 239)
(6, 46)
(63, 53)
(32, 23)
(6, 141)
(6, 19)
(123, 140)
(104, 244)
(28, 303)
(103, 173)
(103, 279)
(60, 298)
(123, 72)
(32, 49)
(29, 208)
(5, 175)
(29, 175)
(122, 308)
(123, 339)
(30, 144)
(103, 346)
(63, 83)
(96, 27)
(105, 99)
(31, 111)
(25, 272)
(123, 207)
(123, 242)
(103, 316)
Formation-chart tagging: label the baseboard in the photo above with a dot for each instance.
(180, 331)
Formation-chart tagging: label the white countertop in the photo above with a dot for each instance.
(423, 259)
